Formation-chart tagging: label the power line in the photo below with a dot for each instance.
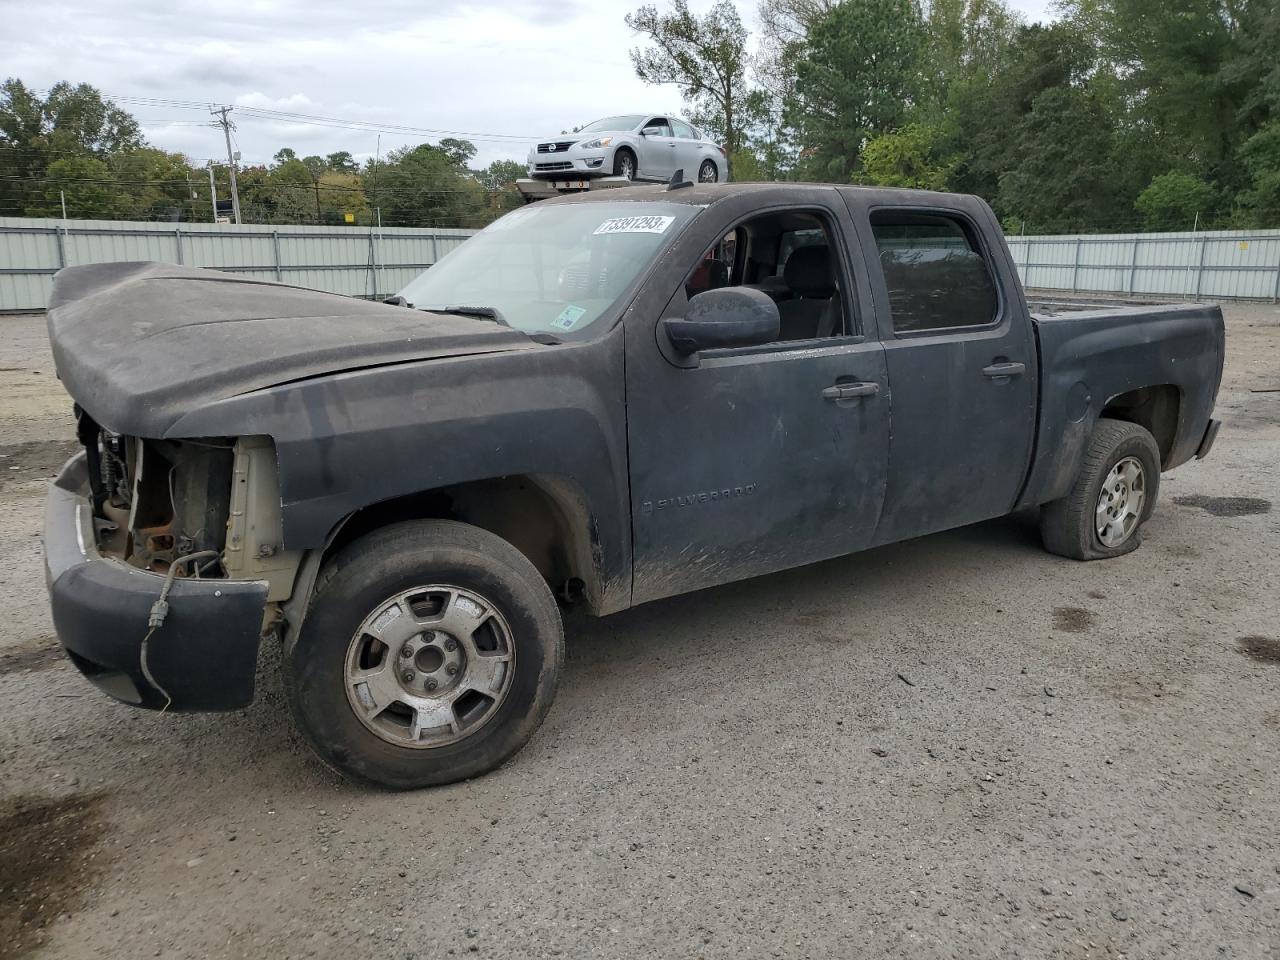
(306, 119)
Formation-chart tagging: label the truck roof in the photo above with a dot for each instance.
(703, 194)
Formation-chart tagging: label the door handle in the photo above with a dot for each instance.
(1000, 371)
(850, 391)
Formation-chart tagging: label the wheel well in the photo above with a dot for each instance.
(542, 517)
(1156, 408)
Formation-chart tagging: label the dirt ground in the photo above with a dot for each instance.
(955, 747)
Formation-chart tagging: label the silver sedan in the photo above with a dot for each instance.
(638, 146)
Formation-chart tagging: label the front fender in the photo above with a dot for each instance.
(348, 441)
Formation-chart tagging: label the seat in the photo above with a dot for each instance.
(814, 310)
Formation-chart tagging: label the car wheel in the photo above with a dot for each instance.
(707, 173)
(1112, 497)
(430, 653)
(624, 164)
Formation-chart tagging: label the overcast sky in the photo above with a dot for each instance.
(484, 67)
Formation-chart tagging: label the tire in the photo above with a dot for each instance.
(620, 161)
(358, 728)
(708, 172)
(1069, 527)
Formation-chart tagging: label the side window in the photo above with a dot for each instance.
(790, 255)
(934, 270)
(661, 124)
(683, 130)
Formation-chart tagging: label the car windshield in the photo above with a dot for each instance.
(551, 268)
(611, 123)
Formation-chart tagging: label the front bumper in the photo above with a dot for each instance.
(573, 164)
(204, 655)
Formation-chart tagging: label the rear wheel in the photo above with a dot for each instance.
(1112, 497)
(430, 653)
(624, 164)
(707, 173)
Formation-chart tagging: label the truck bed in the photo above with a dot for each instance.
(1094, 353)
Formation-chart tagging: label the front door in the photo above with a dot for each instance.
(962, 365)
(657, 150)
(751, 460)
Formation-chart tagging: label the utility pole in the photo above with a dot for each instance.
(213, 195)
(221, 114)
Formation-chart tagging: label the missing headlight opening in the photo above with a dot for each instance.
(159, 500)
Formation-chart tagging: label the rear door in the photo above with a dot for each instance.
(657, 151)
(688, 149)
(962, 368)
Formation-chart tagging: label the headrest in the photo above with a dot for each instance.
(808, 272)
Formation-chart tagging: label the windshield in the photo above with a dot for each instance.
(551, 268)
(611, 123)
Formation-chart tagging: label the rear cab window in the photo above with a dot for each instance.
(935, 272)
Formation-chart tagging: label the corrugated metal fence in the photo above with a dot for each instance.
(1212, 265)
(362, 262)
(358, 261)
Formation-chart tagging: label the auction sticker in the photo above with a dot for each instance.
(568, 317)
(649, 224)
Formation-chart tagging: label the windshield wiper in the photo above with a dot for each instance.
(485, 313)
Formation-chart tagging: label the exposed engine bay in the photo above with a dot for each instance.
(156, 502)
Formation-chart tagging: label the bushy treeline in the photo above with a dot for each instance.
(1120, 114)
(73, 145)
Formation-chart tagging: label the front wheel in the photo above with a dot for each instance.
(708, 173)
(624, 164)
(430, 653)
(1112, 497)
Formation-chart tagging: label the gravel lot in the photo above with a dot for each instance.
(955, 747)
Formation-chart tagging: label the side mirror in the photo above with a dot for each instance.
(726, 317)
(651, 132)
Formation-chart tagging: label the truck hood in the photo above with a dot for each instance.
(138, 345)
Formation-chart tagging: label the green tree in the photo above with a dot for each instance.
(706, 58)
(784, 25)
(458, 152)
(1175, 201)
(341, 161)
(86, 182)
(986, 111)
(155, 185)
(1260, 201)
(1173, 61)
(316, 168)
(499, 178)
(502, 173)
(284, 155)
(70, 125)
(908, 157)
(859, 76)
(968, 41)
(426, 186)
(1061, 178)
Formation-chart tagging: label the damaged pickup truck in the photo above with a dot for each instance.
(600, 400)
